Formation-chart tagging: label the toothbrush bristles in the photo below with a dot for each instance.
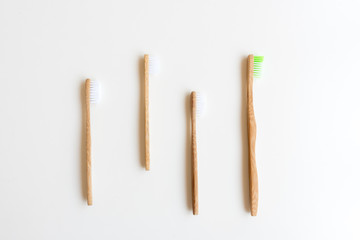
(153, 65)
(200, 104)
(258, 65)
(94, 91)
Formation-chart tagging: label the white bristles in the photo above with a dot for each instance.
(200, 104)
(94, 91)
(154, 65)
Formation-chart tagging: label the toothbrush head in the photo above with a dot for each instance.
(200, 104)
(154, 64)
(258, 66)
(94, 91)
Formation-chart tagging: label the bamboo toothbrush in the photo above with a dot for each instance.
(197, 109)
(151, 68)
(254, 71)
(92, 95)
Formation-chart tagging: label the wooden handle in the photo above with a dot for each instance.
(254, 191)
(146, 97)
(194, 155)
(88, 143)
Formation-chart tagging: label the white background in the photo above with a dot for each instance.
(308, 146)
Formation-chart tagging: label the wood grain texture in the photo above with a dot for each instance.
(254, 190)
(146, 97)
(194, 155)
(88, 143)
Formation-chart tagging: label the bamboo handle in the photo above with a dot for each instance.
(88, 143)
(194, 155)
(254, 191)
(146, 94)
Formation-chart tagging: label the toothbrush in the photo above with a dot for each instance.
(197, 109)
(151, 68)
(92, 95)
(254, 71)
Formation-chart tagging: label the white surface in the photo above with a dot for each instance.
(306, 108)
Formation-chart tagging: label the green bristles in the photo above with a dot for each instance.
(258, 60)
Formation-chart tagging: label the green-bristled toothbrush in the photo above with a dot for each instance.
(254, 71)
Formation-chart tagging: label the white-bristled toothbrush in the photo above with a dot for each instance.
(92, 95)
(197, 110)
(151, 68)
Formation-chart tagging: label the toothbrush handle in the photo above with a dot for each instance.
(194, 155)
(88, 143)
(146, 97)
(254, 191)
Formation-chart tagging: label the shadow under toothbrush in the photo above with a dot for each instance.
(141, 126)
(188, 175)
(83, 142)
(244, 136)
